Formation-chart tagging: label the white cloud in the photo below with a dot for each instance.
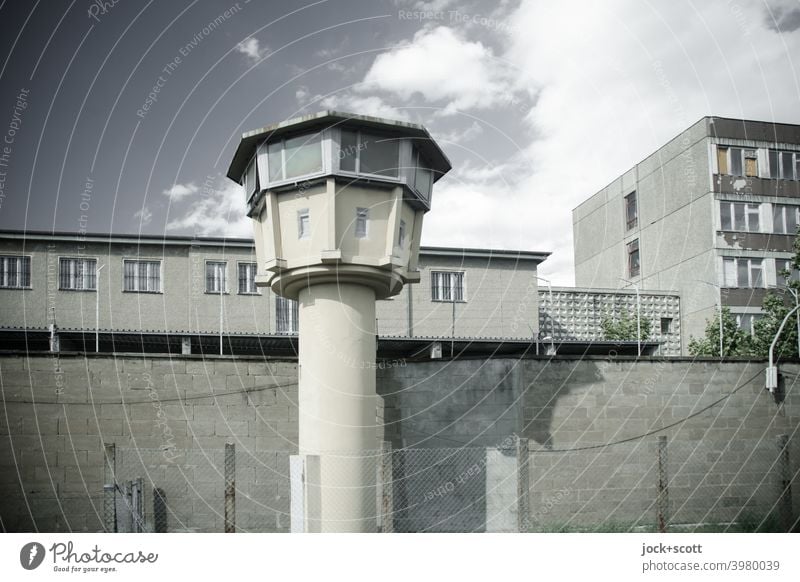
(302, 94)
(144, 215)
(614, 81)
(371, 105)
(782, 15)
(216, 212)
(250, 47)
(445, 69)
(460, 135)
(589, 89)
(434, 5)
(180, 191)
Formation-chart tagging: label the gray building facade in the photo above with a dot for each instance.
(711, 215)
(186, 286)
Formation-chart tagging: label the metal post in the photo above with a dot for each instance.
(785, 474)
(126, 524)
(97, 310)
(387, 501)
(137, 495)
(453, 328)
(662, 500)
(638, 315)
(159, 510)
(110, 488)
(552, 320)
(638, 321)
(221, 314)
(230, 488)
(523, 486)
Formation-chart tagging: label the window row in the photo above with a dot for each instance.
(755, 217)
(139, 276)
(758, 162)
(344, 151)
(744, 272)
(361, 225)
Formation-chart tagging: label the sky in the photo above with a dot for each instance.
(122, 116)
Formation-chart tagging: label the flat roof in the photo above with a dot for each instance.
(183, 240)
(602, 290)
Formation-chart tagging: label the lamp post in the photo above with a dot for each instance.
(638, 316)
(97, 310)
(719, 303)
(772, 370)
(552, 322)
(221, 277)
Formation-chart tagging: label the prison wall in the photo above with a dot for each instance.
(590, 427)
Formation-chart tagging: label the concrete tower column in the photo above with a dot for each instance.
(337, 402)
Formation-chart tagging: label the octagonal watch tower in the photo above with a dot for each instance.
(337, 202)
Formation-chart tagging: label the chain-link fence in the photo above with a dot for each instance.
(191, 491)
(641, 485)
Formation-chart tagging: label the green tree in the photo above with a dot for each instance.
(735, 341)
(774, 308)
(624, 328)
(766, 327)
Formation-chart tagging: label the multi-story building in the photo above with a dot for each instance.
(184, 294)
(712, 215)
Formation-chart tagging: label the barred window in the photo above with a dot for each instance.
(15, 272)
(142, 276)
(247, 279)
(215, 277)
(77, 274)
(447, 286)
(286, 315)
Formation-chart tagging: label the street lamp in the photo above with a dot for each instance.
(552, 323)
(97, 310)
(772, 370)
(719, 289)
(638, 316)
